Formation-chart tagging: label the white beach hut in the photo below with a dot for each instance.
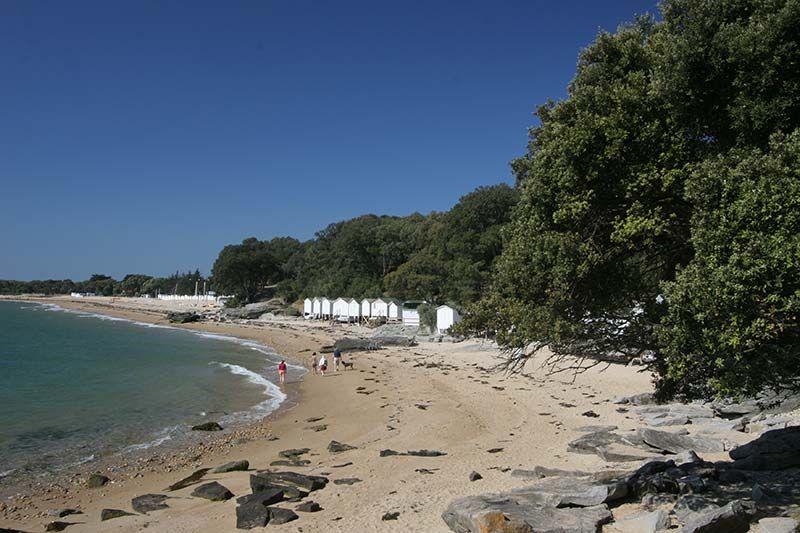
(379, 307)
(410, 313)
(366, 307)
(446, 316)
(307, 307)
(353, 310)
(327, 307)
(394, 311)
(316, 307)
(339, 309)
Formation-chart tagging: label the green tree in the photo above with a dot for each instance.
(733, 323)
(609, 208)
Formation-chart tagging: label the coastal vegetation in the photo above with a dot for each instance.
(103, 285)
(660, 206)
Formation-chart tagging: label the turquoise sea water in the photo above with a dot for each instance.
(75, 386)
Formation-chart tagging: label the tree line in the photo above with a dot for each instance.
(438, 257)
(103, 285)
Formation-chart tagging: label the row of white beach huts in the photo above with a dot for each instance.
(353, 310)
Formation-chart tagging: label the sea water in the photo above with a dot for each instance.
(77, 386)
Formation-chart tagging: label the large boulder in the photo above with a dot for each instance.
(675, 443)
(732, 518)
(567, 491)
(774, 450)
(255, 310)
(264, 497)
(517, 513)
(644, 522)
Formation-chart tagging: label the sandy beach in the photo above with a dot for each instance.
(435, 396)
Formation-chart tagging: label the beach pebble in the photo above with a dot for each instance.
(338, 447)
(278, 515)
(149, 502)
(390, 516)
(474, 476)
(57, 526)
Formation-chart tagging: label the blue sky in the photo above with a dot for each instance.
(144, 136)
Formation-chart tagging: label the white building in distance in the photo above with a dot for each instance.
(446, 316)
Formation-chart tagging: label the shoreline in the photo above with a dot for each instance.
(134, 462)
(435, 396)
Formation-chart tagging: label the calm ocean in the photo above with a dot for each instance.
(75, 386)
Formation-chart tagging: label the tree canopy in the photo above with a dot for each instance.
(640, 187)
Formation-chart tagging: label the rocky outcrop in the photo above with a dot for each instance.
(774, 450)
(732, 518)
(675, 443)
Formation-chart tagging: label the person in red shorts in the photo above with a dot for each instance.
(282, 371)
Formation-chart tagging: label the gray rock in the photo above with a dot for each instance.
(264, 497)
(233, 466)
(645, 398)
(474, 476)
(686, 458)
(278, 515)
(673, 443)
(57, 525)
(390, 516)
(293, 452)
(732, 518)
(774, 450)
(191, 479)
(61, 513)
(469, 515)
(308, 507)
(778, 525)
(612, 447)
(149, 502)
(346, 481)
(338, 447)
(96, 481)
(560, 492)
(690, 505)
(252, 515)
(109, 514)
(290, 462)
(302, 482)
(251, 311)
(425, 453)
(183, 317)
(388, 453)
(207, 426)
(644, 522)
(594, 429)
(213, 491)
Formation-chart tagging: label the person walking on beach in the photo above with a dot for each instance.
(323, 365)
(314, 362)
(282, 371)
(337, 359)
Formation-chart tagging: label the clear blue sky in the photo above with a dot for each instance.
(143, 136)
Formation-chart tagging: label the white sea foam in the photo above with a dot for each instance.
(275, 396)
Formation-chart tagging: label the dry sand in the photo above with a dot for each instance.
(459, 407)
